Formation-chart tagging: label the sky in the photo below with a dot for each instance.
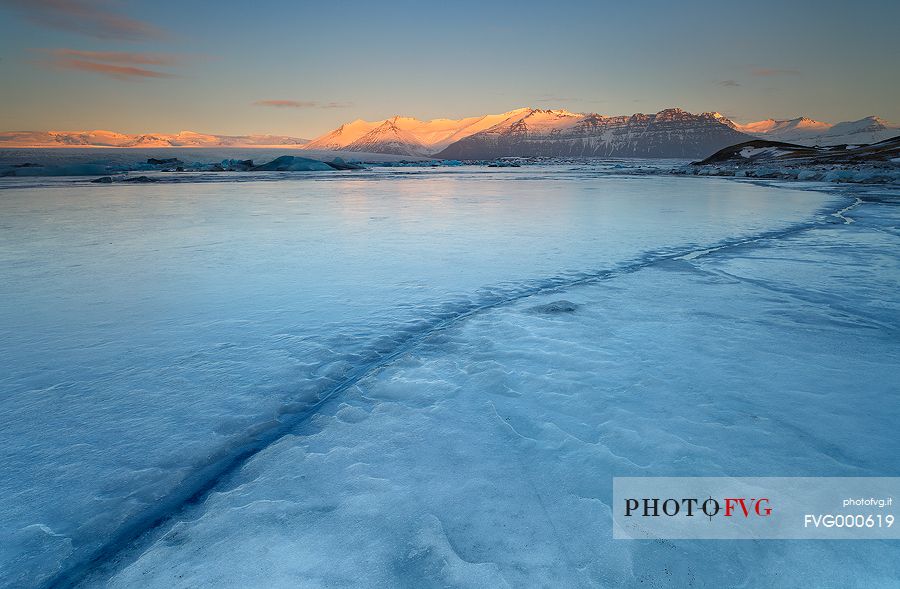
(298, 68)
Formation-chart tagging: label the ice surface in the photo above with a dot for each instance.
(484, 457)
(158, 333)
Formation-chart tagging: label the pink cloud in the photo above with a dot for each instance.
(119, 57)
(121, 72)
(87, 17)
(286, 103)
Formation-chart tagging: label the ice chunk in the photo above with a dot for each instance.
(339, 164)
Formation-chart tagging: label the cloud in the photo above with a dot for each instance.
(119, 57)
(121, 65)
(301, 104)
(764, 71)
(121, 72)
(286, 103)
(728, 83)
(92, 18)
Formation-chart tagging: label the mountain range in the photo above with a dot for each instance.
(528, 132)
(671, 133)
(524, 132)
(406, 135)
(538, 132)
(112, 139)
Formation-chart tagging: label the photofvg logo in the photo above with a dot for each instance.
(754, 508)
(692, 506)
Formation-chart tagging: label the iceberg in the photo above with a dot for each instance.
(117, 165)
(290, 163)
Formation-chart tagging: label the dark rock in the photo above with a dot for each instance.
(777, 152)
(141, 179)
(170, 161)
(555, 307)
(103, 180)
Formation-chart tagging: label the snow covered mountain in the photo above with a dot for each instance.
(405, 135)
(868, 130)
(113, 139)
(391, 136)
(790, 130)
(671, 133)
(536, 132)
(806, 131)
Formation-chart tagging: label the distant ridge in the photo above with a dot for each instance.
(113, 139)
(809, 132)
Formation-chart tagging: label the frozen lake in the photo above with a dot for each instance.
(370, 380)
